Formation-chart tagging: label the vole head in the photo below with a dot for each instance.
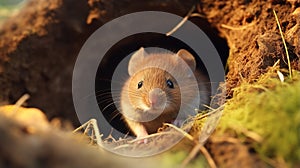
(152, 88)
(141, 58)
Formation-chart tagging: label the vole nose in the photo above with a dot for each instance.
(157, 97)
(152, 99)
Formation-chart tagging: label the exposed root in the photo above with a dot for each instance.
(237, 28)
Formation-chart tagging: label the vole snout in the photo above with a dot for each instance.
(157, 99)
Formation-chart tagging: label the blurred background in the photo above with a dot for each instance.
(9, 7)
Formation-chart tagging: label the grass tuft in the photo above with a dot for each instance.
(269, 109)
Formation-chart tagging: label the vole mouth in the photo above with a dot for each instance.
(157, 99)
(146, 114)
(152, 109)
(156, 110)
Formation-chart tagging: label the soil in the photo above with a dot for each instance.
(39, 45)
(253, 37)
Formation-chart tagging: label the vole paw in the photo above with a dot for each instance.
(141, 135)
(142, 141)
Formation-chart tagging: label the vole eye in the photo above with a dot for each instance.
(140, 84)
(170, 84)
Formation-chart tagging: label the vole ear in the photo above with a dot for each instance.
(135, 60)
(188, 58)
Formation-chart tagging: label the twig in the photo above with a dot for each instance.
(121, 146)
(207, 107)
(190, 137)
(250, 134)
(259, 87)
(284, 44)
(209, 159)
(276, 63)
(209, 113)
(197, 15)
(253, 135)
(225, 139)
(110, 136)
(150, 136)
(92, 123)
(273, 162)
(20, 102)
(194, 152)
(181, 22)
(237, 28)
(280, 76)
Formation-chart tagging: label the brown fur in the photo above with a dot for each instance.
(154, 70)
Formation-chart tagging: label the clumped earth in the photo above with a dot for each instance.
(260, 123)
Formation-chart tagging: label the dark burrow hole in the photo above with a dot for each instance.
(132, 43)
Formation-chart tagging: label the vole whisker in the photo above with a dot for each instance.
(111, 81)
(115, 115)
(110, 104)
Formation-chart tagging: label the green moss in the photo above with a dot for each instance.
(175, 159)
(271, 109)
(10, 2)
(8, 8)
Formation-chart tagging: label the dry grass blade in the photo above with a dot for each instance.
(284, 44)
(95, 134)
(280, 76)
